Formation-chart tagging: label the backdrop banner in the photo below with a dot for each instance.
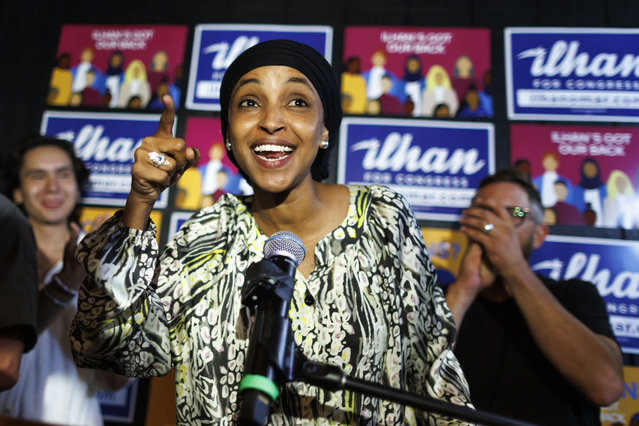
(624, 412)
(118, 66)
(417, 71)
(215, 174)
(436, 165)
(215, 46)
(584, 74)
(106, 143)
(446, 248)
(610, 265)
(586, 175)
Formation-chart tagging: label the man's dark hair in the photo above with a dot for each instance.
(523, 181)
(12, 162)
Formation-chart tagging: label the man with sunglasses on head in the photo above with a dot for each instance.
(531, 348)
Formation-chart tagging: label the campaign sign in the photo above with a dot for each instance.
(624, 411)
(91, 217)
(119, 406)
(586, 74)
(446, 248)
(215, 174)
(118, 66)
(216, 46)
(417, 71)
(610, 265)
(586, 175)
(177, 220)
(435, 165)
(106, 143)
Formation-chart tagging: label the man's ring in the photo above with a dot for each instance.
(488, 227)
(158, 159)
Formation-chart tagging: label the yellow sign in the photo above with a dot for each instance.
(97, 215)
(446, 248)
(624, 412)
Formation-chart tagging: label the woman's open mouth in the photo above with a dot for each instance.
(271, 152)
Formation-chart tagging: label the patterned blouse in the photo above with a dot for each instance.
(374, 311)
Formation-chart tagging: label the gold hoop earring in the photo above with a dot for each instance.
(324, 144)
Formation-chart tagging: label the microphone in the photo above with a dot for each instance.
(286, 250)
(270, 355)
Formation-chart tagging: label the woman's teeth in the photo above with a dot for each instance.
(272, 152)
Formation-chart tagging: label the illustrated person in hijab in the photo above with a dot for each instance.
(364, 300)
(590, 189)
(413, 81)
(114, 75)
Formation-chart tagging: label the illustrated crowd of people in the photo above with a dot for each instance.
(119, 83)
(435, 92)
(599, 198)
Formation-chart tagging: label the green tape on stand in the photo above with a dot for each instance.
(261, 383)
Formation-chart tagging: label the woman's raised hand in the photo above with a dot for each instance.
(160, 161)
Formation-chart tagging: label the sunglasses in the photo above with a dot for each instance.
(518, 214)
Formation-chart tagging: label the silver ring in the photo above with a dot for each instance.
(488, 227)
(158, 159)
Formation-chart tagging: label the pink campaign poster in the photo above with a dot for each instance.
(215, 174)
(419, 72)
(117, 66)
(587, 176)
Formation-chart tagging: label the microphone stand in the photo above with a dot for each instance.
(271, 351)
(332, 378)
(274, 359)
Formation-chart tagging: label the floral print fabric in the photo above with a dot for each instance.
(370, 307)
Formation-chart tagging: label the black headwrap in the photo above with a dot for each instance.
(306, 60)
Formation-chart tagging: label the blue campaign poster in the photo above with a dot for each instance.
(576, 74)
(610, 265)
(120, 406)
(435, 165)
(215, 46)
(106, 143)
(177, 220)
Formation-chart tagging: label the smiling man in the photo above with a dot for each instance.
(46, 179)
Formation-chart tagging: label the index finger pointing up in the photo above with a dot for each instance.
(165, 128)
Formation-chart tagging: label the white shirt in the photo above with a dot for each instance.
(51, 388)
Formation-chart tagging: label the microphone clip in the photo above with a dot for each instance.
(263, 280)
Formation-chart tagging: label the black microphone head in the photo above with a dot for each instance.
(287, 244)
